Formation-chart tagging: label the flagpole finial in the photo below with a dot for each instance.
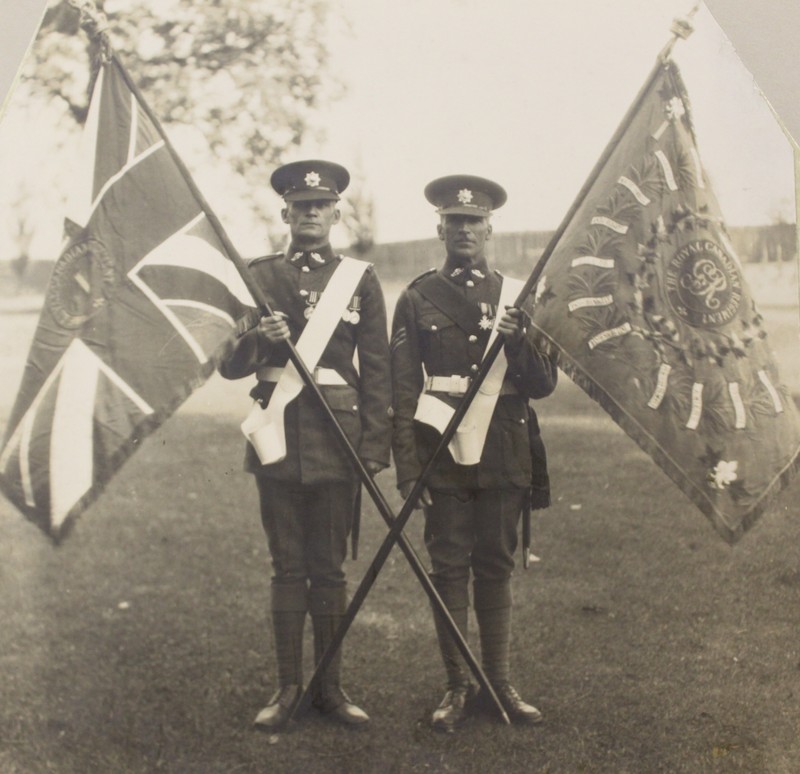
(95, 24)
(680, 28)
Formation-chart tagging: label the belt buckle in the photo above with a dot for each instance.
(456, 385)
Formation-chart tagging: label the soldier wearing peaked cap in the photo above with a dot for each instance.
(494, 468)
(330, 307)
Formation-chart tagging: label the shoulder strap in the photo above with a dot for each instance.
(422, 276)
(450, 302)
(261, 258)
(265, 428)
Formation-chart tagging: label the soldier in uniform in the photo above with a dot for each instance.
(308, 489)
(442, 324)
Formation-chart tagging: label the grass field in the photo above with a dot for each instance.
(142, 643)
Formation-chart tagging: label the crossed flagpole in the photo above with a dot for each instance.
(95, 25)
(382, 505)
(681, 29)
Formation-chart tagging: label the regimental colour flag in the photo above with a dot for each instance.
(645, 299)
(139, 307)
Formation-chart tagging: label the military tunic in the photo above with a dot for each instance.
(292, 283)
(307, 499)
(423, 336)
(473, 520)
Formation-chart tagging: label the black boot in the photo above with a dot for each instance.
(279, 709)
(327, 608)
(453, 708)
(288, 622)
(287, 630)
(454, 665)
(493, 612)
(518, 711)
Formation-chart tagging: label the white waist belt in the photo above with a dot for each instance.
(327, 377)
(467, 443)
(458, 385)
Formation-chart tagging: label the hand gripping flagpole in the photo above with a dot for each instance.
(681, 28)
(95, 24)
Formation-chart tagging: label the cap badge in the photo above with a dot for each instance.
(465, 196)
(312, 179)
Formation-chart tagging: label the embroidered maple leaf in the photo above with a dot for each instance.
(723, 474)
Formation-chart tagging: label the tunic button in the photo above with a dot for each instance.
(305, 268)
(434, 327)
(303, 292)
(470, 284)
(473, 339)
(474, 368)
(355, 408)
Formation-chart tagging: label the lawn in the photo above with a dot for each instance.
(142, 643)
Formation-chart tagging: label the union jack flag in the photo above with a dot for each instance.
(139, 307)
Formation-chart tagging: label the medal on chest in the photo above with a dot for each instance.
(487, 317)
(311, 298)
(351, 314)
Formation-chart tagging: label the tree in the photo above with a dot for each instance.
(21, 232)
(358, 216)
(242, 78)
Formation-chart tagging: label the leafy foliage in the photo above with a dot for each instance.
(248, 77)
(358, 217)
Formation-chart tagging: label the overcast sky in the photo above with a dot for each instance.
(528, 93)
(525, 92)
